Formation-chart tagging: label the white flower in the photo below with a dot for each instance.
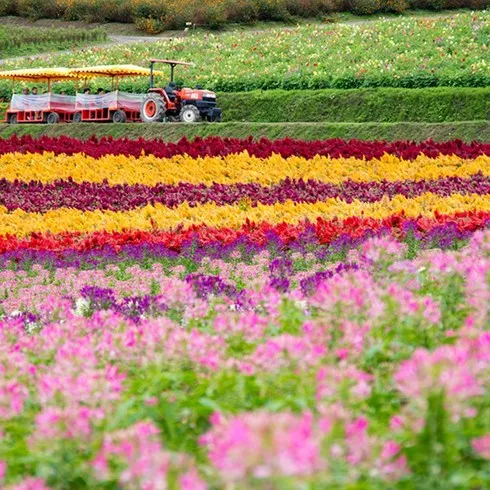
(81, 306)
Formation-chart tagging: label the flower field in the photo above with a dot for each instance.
(238, 314)
(411, 53)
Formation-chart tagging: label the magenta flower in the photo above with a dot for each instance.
(264, 445)
(29, 484)
(481, 446)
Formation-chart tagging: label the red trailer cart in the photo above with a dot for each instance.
(115, 106)
(49, 108)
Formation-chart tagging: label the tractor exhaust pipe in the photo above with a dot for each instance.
(151, 74)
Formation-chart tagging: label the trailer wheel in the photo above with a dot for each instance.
(12, 119)
(52, 118)
(190, 114)
(77, 117)
(119, 116)
(153, 109)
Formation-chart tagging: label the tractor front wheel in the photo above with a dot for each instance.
(190, 114)
(153, 109)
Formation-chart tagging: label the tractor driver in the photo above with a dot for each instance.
(169, 89)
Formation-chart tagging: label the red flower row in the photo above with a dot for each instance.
(262, 148)
(260, 233)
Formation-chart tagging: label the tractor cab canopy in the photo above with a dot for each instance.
(172, 64)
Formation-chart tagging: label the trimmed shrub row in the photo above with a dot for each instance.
(382, 105)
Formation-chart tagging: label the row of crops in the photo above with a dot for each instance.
(20, 41)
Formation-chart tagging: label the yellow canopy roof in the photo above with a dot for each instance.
(38, 74)
(112, 71)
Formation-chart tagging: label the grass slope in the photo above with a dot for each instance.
(467, 131)
(441, 104)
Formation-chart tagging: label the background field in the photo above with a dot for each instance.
(406, 53)
(154, 16)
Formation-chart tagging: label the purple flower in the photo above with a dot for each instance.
(99, 298)
(281, 267)
(310, 284)
(205, 285)
(281, 284)
(135, 307)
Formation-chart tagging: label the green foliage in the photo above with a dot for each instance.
(396, 6)
(22, 40)
(364, 105)
(365, 7)
(445, 4)
(6, 7)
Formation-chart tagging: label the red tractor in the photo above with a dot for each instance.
(175, 104)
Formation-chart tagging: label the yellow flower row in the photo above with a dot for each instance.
(150, 217)
(150, 170)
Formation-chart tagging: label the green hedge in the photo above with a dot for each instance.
(441, 104)
(467, 131)
(362, 105)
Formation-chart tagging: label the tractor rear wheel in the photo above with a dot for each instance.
(153, 109)
(190, 114)
(52, 118)
(119, 116)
